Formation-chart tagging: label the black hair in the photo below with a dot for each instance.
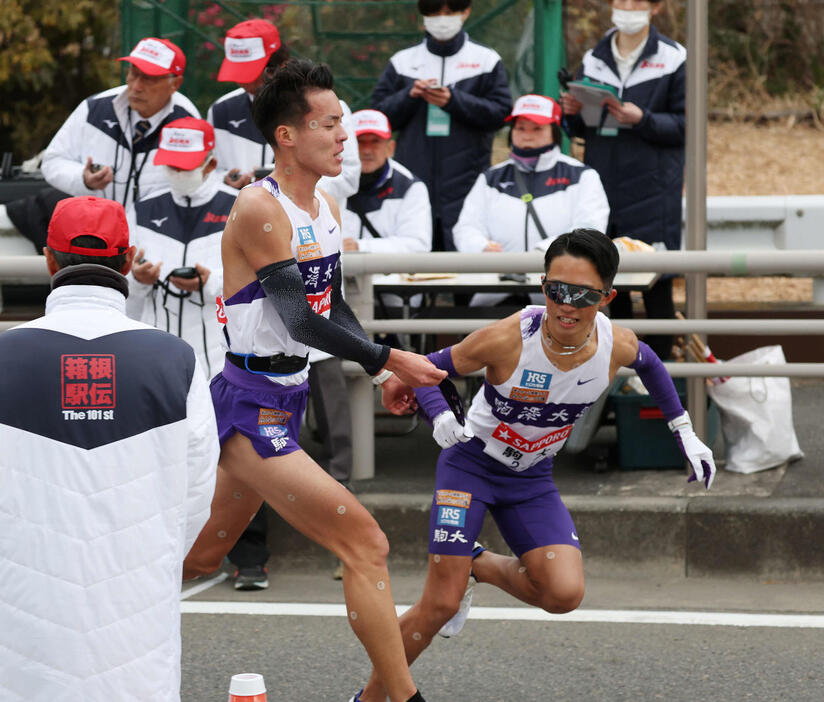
(279, 57)
(282, 99)
(88, 241)
(591, 245)
(432, 7)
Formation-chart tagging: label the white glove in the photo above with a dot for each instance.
(447, 431)
(694, 450)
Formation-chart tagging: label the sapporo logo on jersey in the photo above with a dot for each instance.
(87, 386)
(273, 416)
(535, 380)
(453, 498)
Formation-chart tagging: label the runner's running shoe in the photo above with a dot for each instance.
(252, 578)
(453, 626)
(356, 697)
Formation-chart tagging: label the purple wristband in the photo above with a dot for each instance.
(658, 381)
(431, 400)
(443, 359)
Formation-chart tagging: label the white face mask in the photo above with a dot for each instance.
(443, 27)
(630, 21)
(184, 183)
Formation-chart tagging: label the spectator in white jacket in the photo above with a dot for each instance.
(253, 51)
(108, 469)
(390, 213)
(107, 145)
(534, 196)
(178, 278)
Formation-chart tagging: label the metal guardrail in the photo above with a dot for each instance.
(361, 298)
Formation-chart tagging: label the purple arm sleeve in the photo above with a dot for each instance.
(431, 400)
(659, 383)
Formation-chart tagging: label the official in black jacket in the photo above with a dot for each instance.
(446, 96)
(641, 163)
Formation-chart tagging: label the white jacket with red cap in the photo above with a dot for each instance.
(101, 127)
(107, 471)
(183, 231)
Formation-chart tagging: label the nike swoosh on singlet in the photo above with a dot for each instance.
(331, 230)
(584, 382)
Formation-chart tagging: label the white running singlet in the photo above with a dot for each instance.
(529, 416)
(253, 325)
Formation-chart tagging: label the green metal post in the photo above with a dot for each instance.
(550, 51)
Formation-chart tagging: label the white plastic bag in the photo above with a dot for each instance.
(757, 416)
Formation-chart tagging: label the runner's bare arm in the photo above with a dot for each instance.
(494, 347)
(624, 349)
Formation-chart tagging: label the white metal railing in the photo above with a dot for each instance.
(361, 299)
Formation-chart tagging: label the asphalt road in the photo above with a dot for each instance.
(317, 658)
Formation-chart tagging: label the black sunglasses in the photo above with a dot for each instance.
(568, 294)
(453, 399)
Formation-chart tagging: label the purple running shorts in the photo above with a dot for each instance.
(526, 506)
(267, 414)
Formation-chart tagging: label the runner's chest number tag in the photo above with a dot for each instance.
(437, 122)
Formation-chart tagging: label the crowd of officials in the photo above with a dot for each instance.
(416, 176)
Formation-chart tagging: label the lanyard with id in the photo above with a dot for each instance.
(437, 121)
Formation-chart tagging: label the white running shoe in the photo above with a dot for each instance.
(355, 697)
(453, 626)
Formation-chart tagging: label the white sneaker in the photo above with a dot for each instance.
(453, 626)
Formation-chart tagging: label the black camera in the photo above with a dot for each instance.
(184, 272)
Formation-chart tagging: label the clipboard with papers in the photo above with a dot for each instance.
(591, 95)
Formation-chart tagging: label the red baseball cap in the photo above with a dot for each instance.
(89, 216)
(157, 57)
(247, 48)
(372, 122)
(538, 108)
(184, 143)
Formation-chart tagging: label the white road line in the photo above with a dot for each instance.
(205, 585)
(599, 616)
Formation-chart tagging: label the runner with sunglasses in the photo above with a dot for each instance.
(544, 367)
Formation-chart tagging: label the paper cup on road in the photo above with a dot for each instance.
(247, 687)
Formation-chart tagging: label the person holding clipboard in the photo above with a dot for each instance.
(538, 193)
(636, 142)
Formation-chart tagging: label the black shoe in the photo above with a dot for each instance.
(252, 578)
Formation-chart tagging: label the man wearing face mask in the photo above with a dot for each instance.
(178, 274)
(641, 163)
(447, 96)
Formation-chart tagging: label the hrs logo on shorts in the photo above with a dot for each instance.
(452, 516)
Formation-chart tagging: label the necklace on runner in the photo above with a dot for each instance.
(547, 339)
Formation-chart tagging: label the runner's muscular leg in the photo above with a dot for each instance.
(446, 581)
(322, 509)
(549, 577)
(234, 504)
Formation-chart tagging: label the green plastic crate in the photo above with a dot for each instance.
(644, 439)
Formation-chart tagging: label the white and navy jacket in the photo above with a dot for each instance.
(183, 232)
(642, 168)
(397, 206)
(566, 195)
(479, 105)
(107, 471)
(101, 127)
(239, 144)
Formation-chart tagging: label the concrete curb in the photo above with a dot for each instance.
(778, 538)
